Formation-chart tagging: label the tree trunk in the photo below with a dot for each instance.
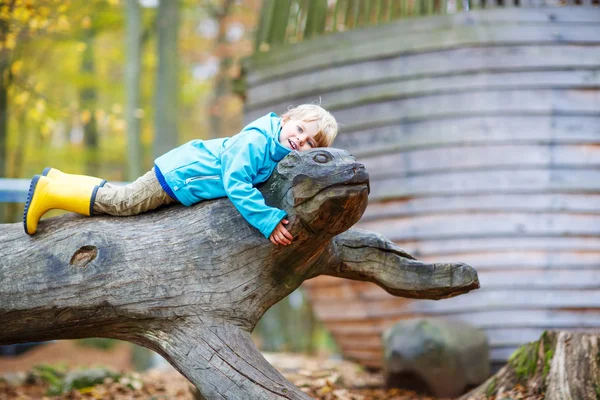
(87, 98)
(559, 366)
(192, 282)
(167, 78)
(222, 84)
(132, 82)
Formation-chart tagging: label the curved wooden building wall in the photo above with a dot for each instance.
(481, 134)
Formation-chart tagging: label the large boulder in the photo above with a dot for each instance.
(434, 356)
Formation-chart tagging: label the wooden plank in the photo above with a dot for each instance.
(478, 301)
(448, 159)
(532, 203)
(552, 16)
(361, 90)
(488, 320)
(508, 262)
(466, 225)
(454, 248)
(517, 102)
(345, 52)
(497, 338)
(469, 131)
(487, 182)
(497, 281)
(463, 61)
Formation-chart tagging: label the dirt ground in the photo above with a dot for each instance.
(321, 378)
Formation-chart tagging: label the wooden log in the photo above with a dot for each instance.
(532, 203)
(523, 318)
(360, 90)
(487, 225)
(192, 282)
(462, 158)
(289, 63)
(486, 103)
(475, 302)
(488, 182)
(557, 17)
(559, 365)
(456, 247)
(470, 130)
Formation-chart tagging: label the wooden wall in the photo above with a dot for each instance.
(481, 134)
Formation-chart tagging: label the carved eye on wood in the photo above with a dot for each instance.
(322, 158)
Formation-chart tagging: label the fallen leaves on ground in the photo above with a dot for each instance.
(322, 379)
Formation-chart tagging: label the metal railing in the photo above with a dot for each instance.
(13, 190)
(292, 21)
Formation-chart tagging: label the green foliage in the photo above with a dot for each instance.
(491, 387)
(62, 381)
(524, 360)
(547, 362)
(98, 343)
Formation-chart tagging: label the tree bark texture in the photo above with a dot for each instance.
(559, 366)
(192, 282)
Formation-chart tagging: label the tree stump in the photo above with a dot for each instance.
(559, 366)
(192, 282)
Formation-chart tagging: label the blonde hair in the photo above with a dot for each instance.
(328, 126)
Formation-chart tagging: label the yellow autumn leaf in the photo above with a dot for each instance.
(45, 129)
(63, 23)
(11, 41)
(85, 116)
(100, 114)
(81, 47)
(120, 125)
(86, 22)
(34, 23)
(40, 105)
(16, 67)
(21, 98)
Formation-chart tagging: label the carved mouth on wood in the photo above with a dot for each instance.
(351, 190)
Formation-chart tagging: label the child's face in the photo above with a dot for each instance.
(298, 135)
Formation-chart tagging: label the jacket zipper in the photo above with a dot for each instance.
(200, 178)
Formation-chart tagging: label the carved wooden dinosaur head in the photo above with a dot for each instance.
(325, 189)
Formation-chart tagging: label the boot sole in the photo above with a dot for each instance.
(32, 186)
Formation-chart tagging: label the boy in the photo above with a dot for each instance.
(198, 170)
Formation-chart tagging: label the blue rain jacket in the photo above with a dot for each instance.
(208, 169)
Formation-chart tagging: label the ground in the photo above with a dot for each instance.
(321, 378)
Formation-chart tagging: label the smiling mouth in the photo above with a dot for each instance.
(293, 145)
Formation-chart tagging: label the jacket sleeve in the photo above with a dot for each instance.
(240, 162)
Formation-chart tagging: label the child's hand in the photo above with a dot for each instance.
(280, 235)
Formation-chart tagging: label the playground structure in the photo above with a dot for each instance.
(480, 131)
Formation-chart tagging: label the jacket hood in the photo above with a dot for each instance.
(276, 150)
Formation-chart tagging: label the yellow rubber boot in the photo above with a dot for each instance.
(58, 175)
(46, 194)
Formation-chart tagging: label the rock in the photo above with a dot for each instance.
(437, 357)
(14, 378)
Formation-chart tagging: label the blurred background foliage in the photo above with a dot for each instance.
(101, 87)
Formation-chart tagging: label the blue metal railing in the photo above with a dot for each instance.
(13, 190)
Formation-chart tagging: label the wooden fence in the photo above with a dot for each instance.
(292, 21)
(481, 134)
